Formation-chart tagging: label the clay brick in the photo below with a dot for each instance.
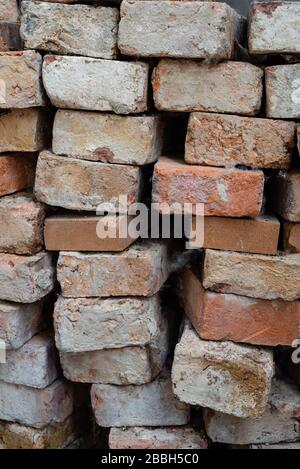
(254, 275)
(141, 270)
(291, 237)
(157, 438)
(83, 185)
(282, 91)
(21, 220)
(78, 233)
(25, 279)
(151, 405)
(23, 130)
(187, 29)
(9, 11)
(16, 172)
(35, 364)
(9, 37)
(186, 85)
(282, 446)
(274, 28)
(223, 376)
(219, 140)
(95, 84)
(253, 235)
(280, 422)
(135, 140)
(19, 323)
(217, 316)
(29, 406)
(285, 195)
(21, 80)
(224, 192)
(70, 29)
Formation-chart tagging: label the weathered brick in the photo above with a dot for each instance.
(35, 364)
(273, 28)
(141, 270)
(17, 172)
(70, 29)
(283, 91)
(21, 220)
(280, 422)
(285, 195)
(29, 406)
(281, 446)
(187, 29)
(217, 316)
(135, 140)
(186, 85)
(21, 80)
(9, 37)
(157, 438)
(95, 84)
(220, 140)
(151, 405)
(254, 275)
(9, 11)
(23, 130)
(79, 233)
(291, 237)
(83, 185)
(19, 323)
(223, 376)
(25, 279)
(224, 192)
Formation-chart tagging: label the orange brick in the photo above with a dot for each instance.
(16, 172)
(291, 237)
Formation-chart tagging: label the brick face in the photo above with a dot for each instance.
(17, 172)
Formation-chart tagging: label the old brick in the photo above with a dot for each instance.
(157, 438)
(84, 185)
(21, 220)
(70, 29)
(186, 29)
(281, 446)
(23, 130)
(21, 80)
(9, 37)
(20, 322)
(217, 316)
(291, 237)
(254, 275)
(230, 87)
(95, 84)
(25, 279)
(223, 376)
(280, 422)
(9, 11)
(283, 91)
(285, 195)
(151, 405)
(273, 29)
(17, 172)
(141, 270)
(219, 140)
(224, 192)
(135, 140)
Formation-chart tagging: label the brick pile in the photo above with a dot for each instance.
(175, 102)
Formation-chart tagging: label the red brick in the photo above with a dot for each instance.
(16, 172)
(291, 237)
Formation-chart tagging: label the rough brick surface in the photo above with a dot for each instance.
(83, 185)
(279, 423)
(283, 91)
(258, 276)
(108, 138)
(274, 29)
(186, 29)
(291, 238)
(219, 140)
(23, 130)
(141, 270)
(9, 37)
(70, 29)
(150, 405)
(21, 220)
(157, 438)
(230, 87)
(21, 80)
(224, 192)
(9, 12)
(285, 195)
(223, 376)
(95, 84)
(25, 279)
(17, 172)
(217, 316)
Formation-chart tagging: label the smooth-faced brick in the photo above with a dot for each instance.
(291, 237)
